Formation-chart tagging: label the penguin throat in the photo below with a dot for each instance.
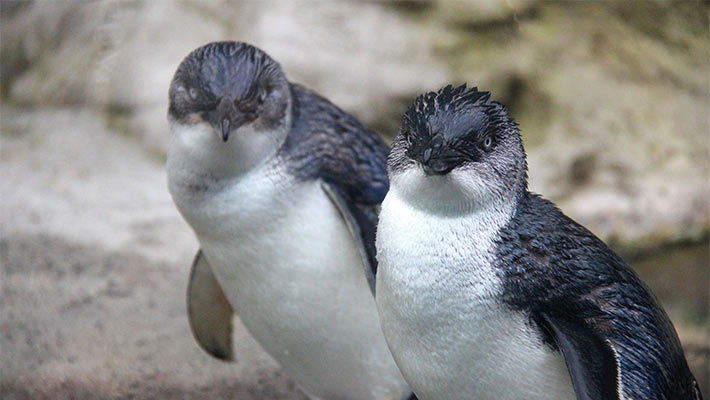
(452, 195)
(198, 150)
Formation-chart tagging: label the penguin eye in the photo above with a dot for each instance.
(409, 138)
(193, 93)
(487, 143)
(261, 98)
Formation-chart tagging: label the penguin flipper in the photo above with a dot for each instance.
(360, 226)
(590, 358)
(209, 313)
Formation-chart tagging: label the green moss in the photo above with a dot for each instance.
(679, 275)
(118, 120)
(13, 61)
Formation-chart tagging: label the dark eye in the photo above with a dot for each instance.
(193, 93)
(409, 138)
(487, 143)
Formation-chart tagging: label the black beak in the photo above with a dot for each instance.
(225, 129)
(436, 156)
(439, 167)
(228, 118)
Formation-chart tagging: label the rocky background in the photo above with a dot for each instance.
(612, 99)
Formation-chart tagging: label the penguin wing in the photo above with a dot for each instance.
(361, 226)
(590, 358)
(208, 311)
(330, 146)
(587, 301)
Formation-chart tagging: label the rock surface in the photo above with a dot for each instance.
(121, 56)
(612, 99)
(613, 104)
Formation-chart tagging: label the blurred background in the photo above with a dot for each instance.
(613, 100)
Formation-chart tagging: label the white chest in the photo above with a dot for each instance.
(292, 272)
(438, 300)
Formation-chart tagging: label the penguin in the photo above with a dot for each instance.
(282, 190)
(488, 291)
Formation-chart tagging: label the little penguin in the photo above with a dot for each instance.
(487, 291)
(282, 190)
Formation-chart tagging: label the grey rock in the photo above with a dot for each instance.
(612, 102)
(612, 98)
(120, 56)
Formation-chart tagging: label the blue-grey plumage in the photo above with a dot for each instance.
(479, 275)
(282, 189)
(569, 280)
(326, 143)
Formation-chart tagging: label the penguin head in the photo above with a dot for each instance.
(457, 150)
(231, 95)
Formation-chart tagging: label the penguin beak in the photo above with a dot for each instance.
(226, 129)
(230, 123)
(436, 157)
(228, 118)
(441, 166)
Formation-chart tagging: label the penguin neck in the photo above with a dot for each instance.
(456, 195)
(197, 152)
(436, 247)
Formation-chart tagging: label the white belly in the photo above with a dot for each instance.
(292, 272)
(437, 296)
